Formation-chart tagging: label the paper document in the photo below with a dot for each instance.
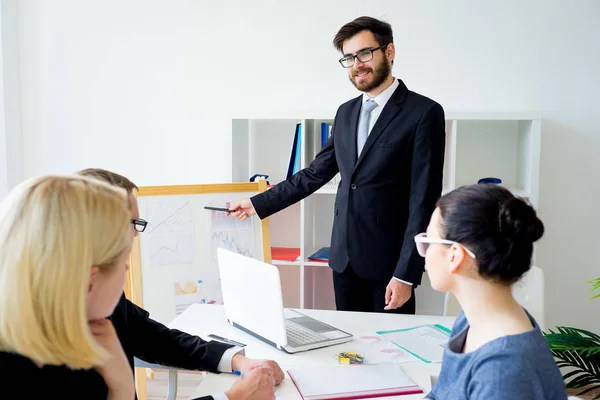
(352, 381)
(376, 349)
(426, 342)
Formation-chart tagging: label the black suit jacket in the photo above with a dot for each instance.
(139, 335)
(151, 341)
(386, 196)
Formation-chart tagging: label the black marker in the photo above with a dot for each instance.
(219, 209)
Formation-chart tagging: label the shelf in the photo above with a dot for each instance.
(493, 116)
(506, 145)
(285, 227)
(326, 190)
(316, 264)
(449, 156)
(290, 289)
(505, 149)
(299, 263)
(284, 263)
(262, 146)
(519, 192)
(318, 288)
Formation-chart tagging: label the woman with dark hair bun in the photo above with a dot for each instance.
(478, 243)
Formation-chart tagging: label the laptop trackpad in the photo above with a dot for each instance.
(319, 327)
(311, 324)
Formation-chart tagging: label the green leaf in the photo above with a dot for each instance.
(579, 350)
(596, 286)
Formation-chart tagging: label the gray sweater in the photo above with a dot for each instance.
(511, 367)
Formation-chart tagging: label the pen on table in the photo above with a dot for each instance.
(240, 373)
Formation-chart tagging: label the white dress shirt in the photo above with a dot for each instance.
(225, 366)
(381, 101)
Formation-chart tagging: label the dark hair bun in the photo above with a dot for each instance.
(518, 221)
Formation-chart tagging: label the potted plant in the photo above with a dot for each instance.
(578, 351)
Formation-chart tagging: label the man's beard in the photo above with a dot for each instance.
(378, 76)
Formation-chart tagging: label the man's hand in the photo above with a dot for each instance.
(245, 365)
(242, 209)
(396, 294)
(257, 384)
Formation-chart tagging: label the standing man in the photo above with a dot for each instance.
(388, 145)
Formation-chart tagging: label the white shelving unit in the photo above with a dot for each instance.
(503, 145)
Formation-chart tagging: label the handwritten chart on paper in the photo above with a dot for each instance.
(231, 234)
(376, 350)
(178, 249)
(425, 342)
(170, 232)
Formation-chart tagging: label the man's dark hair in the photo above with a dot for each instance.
(380, 29)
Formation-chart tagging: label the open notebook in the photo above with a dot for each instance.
(352, 381)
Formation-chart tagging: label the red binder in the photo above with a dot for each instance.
(285, 253)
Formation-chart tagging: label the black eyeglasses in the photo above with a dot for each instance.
(139, 224)
(363, 56)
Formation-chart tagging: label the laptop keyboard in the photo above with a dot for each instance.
(297, 334)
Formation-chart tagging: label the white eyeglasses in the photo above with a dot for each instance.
(423, 242)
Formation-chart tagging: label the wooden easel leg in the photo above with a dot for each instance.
(140, 383)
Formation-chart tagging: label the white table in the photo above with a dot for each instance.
(204, 319)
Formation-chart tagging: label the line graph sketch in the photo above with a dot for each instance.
(170, 233)
(232, 234)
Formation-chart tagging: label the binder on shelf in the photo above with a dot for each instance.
(295, 157)
(285, 253)
(320, 255)
(325, 133)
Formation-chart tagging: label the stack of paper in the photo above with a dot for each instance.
(352, 382)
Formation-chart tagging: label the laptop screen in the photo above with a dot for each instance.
(252, 295)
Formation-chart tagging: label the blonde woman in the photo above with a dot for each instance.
(64, 243)
(149, 340)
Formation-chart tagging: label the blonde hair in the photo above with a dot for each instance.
(53, 229)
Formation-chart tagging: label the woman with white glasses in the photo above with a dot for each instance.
(478, 243)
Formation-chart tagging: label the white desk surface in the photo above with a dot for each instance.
(204, 319)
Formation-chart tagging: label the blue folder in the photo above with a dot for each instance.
(321, 254)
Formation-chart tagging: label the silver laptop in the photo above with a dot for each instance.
(253, 303)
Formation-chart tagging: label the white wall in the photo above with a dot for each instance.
(3, 161)
(148, 88)
(11, 158)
